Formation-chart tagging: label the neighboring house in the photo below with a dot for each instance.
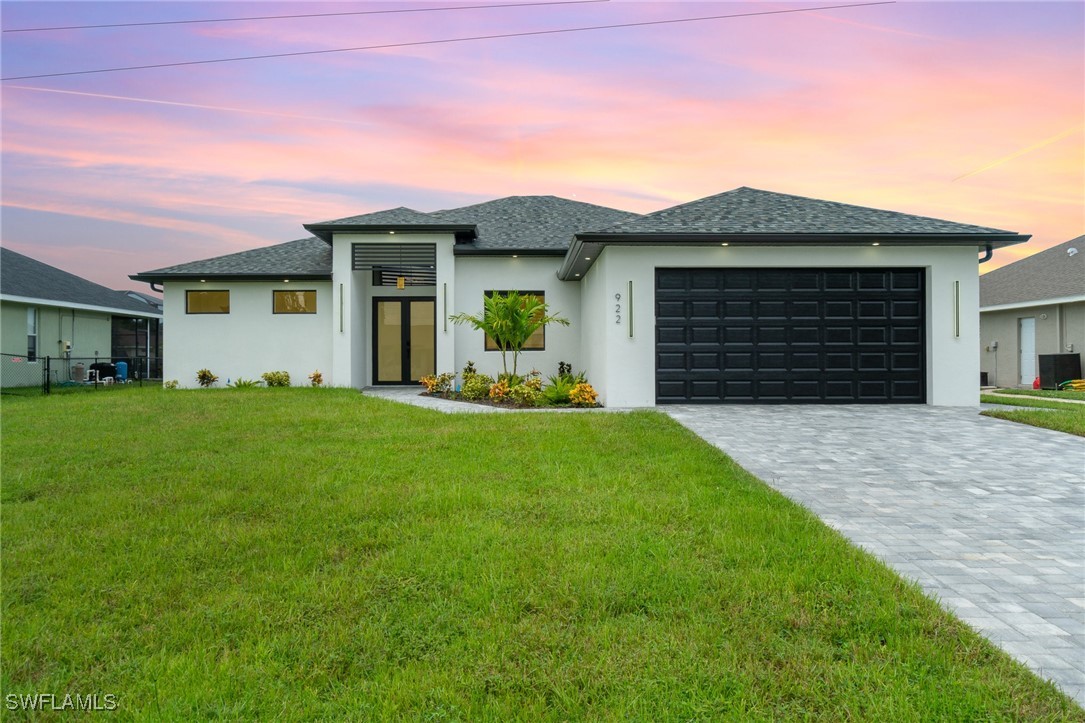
(1030, 307)
(746, 296)
(153, 301)
(48, 312)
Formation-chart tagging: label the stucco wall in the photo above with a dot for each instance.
(90, 333)
(1060, 328)
(475, 275)
(250, 340)
(627, 373)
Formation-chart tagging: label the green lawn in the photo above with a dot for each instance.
(1068, 394)
(315, 554)
(1067, 416)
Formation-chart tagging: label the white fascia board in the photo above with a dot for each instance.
(1037, 302)
(30, 301)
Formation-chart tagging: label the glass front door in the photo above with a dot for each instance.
(404, 340)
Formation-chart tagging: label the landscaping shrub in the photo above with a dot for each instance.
(526, 394)
(316, 379)
(440, 384)
(476, 386)
(583, 395)
(205, 378)
(559, 390)
(469, 370)
(499, 390)
(171, 384)
(245, 383)
(276, 379)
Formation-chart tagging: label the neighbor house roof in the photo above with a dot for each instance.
(1054, 273)
(27, 280)
(306, 258)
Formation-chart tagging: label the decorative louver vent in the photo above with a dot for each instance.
(400, 256)
(417, 263)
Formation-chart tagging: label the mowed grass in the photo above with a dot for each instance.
(1050, 393)
(309, 554)
(1064, 416)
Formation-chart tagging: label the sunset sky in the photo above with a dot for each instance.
(973, 112)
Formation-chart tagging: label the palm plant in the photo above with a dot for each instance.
(510, 319)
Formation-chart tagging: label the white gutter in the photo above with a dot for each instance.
(1038, 302)
(30, 301)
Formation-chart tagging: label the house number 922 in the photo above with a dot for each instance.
(617, 308)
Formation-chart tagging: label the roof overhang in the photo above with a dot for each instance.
(467, 250)
(1033, 304)
(586, 247)
(151, 277)
(325, 231)
(54, 303)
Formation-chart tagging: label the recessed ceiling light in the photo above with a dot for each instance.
(515, 256)
(725, 244)
(286, 281)
(203, 281)
(578, 274)
(392, 233)
(875, 244)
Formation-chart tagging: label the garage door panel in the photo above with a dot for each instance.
(705, 335)
(873, 310)
(802, 335)
(790, 335)
(670, 335)
(771, 335)
(737, 334)
(671, 310)
(704, 309)
(873, 280)
(835, 309)
(907, 280)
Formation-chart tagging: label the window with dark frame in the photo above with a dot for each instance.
(289, 301)
(31, 334)
(537, 341)
(207, 302)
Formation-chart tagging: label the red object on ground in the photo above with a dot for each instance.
(1036, 383)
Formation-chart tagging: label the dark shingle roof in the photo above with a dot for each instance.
(751, 211)
(23, 276)
(531, 222)
(395, 216)
(1049, 274)
(307, 257)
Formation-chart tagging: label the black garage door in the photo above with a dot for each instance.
(790, 336)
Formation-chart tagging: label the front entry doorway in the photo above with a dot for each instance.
(404, 339)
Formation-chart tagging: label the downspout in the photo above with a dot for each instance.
(159, 290)
(988, 252)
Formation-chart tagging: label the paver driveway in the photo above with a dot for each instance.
(987, 515)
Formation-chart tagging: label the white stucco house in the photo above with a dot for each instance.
(746, 296)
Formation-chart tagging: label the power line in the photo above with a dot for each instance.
(285, 17)
(441, 41)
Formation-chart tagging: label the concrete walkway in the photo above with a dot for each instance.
(412, 395)
(987, 515)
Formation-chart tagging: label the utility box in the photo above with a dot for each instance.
(1056, 368)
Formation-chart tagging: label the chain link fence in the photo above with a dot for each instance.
(22, 374)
